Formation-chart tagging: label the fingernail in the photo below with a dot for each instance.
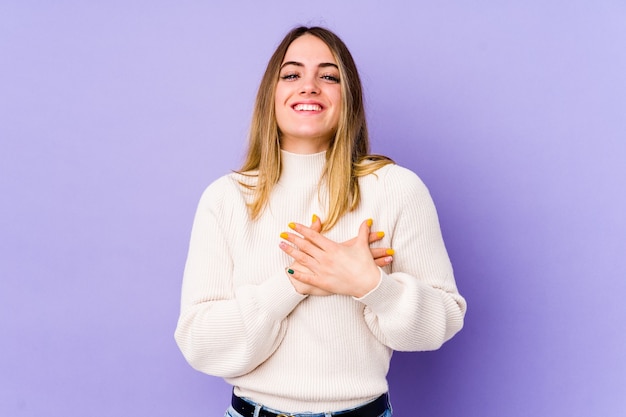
(284, 235)
(292, 225)
(388, 259)
(369, 222)
(390, 251)
(290, 271)
(380, 234)
(314, 219)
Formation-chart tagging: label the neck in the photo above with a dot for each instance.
(304, 146)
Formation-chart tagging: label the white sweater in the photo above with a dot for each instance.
(242, 320)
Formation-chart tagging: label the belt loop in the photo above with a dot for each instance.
(328, 414)
(257, 410)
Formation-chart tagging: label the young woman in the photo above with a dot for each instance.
(287, 293)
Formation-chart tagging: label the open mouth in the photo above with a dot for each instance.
(307, 107)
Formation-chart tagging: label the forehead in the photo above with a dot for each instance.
(309, 49)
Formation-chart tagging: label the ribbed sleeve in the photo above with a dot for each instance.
(227, 330)
(417, 306)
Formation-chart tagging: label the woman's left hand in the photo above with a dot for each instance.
(340, 268)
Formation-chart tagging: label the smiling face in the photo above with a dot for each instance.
(308, 96)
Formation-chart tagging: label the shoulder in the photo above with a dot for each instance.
(226, 191)
(396, 179)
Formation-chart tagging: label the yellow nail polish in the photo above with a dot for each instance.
(390, 251)
(314, 219)
(380, 234)
(284, 235)
(369, 222)
(292, 225)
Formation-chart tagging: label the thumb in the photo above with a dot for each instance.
(316, 223)
(364, 232)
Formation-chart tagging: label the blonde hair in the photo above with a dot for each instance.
(348, 155)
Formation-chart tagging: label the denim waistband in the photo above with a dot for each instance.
(376, 408)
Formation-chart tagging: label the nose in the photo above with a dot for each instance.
(309, 85)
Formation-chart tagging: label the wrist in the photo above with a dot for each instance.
(370, 284)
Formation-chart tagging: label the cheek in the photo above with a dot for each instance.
(337, 106)
(282, 92)
(335, 98)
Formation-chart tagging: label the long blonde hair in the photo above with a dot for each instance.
(348, 155)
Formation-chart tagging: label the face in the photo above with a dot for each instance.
(308, 96)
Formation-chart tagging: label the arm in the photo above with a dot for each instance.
(416, 306)
(223, 330)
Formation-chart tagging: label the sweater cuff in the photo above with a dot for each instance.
(278, 297)
(384, 293)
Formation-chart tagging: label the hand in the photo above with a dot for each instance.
(348, 268)
(381, 256)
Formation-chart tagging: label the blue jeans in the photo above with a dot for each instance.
(231, 412)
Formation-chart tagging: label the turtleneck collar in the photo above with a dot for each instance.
(301, 169)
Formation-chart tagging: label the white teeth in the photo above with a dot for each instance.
(307, 107)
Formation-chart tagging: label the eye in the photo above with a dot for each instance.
(331, 78)
(290, 76)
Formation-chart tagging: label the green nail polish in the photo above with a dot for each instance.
(290, 271)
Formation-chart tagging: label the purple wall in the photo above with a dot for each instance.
(114, 115)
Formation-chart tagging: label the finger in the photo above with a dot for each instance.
(288, 249)
(310, 236)
(301, 287)
(304, 277)
(381, 252)
(376, 236)
(364, 231)
(384, 261)
(316, 223)
(297, 252)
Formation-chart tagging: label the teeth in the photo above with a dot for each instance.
(308, 107)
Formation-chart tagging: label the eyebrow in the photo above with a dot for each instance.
(300, 64)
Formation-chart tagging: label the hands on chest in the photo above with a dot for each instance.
(323, 267)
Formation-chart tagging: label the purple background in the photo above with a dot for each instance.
(114, 116)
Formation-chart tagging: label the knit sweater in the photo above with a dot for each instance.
(241, 318)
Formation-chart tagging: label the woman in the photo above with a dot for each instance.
(305, 318)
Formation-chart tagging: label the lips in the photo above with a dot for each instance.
(307, 107)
